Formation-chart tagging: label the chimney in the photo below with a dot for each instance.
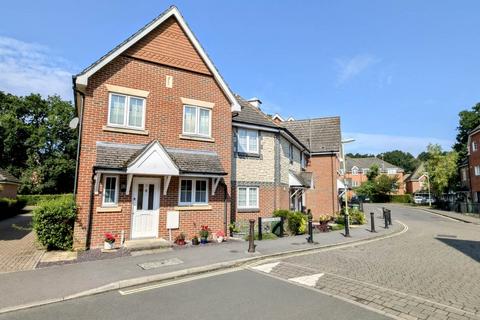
(255, 102)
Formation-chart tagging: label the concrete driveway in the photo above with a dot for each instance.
(18, 250)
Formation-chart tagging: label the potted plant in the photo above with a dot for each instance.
(109, 241)
(220, 236)
(204, 233)
(195, 241)
(180, 239)
(323, 220)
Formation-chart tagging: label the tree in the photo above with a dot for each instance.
(373, 172)
(404, 160)
(360, 155)
(441, 168)
(36, 143)
(469, 120)
(378, 187)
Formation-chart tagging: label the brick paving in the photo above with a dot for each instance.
(18, 250)
(430, 272)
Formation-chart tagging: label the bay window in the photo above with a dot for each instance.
(126, 111)
(197, 121)
(193, 191)
(247, 198)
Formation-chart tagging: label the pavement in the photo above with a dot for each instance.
(237, 295)
(431, 271)
(18, 250)
(24, 289)
(475, 219)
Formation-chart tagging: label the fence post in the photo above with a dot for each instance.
(282, 220)
(372, 222)
(251, 244)
(260, 228)
(310, 228)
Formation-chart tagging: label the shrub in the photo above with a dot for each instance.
(403, 198)
(281, 213)
(357, 216)
(34, 199)
(297, 222)
(53, 222)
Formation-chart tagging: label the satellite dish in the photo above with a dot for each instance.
(73, 123)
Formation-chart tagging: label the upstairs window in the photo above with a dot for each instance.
(392, 171)
(197, 121)
(354, 171)
(126, 111)
(290, 152)
(303, 160)
(365, 170)
(477, 170)
(474, 146)
(247, 141)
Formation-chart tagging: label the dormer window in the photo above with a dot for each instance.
(354, 171)
(392, 171)
(126, 111)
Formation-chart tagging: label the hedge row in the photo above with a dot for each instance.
(10, 207)
(296, 221)
(402, 198)
(35, 199)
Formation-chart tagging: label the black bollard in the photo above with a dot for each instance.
(386, 221)
(389, 217)
(260, 236)
(372, 222)
(282, 219)
(310, 229)
(347, 224)
(251, 244)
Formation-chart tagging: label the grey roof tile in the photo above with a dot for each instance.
(252, 115)
(6, 177)
(318, 135)
(366, 163)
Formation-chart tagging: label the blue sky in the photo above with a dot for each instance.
(397, 72)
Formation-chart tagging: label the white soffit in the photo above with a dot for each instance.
(293, 181)
(154, 160)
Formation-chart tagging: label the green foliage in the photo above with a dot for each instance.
(379, 189)
(373, 173)
(34, 199)
(356, 216)
(36, 143)
(404, 160)
(53, 222)
(441, 168)
(469, 120)
(360, 155)
(281, 213)
(401, 198)
(10, 207)
(296, 221)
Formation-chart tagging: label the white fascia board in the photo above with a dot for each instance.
(289, 138)
(254, 127)
(324, 153)
(200, 175)
(154, 160)
(82, 80)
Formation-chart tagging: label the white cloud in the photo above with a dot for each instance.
(32, 68)
(377, 143)
(351, 67)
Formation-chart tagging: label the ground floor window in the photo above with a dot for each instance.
(110, 191)
(247, 197)
(193, 191)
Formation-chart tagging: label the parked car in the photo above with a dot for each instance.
(418, 199)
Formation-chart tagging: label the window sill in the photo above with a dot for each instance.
(125, 130)
(193, 208)
(248, 210)
(109, 209)
(247, 155)
(196, 138)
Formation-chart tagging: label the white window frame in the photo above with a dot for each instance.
(239, 147)
(354, 183)
(197, 121)
(303, 160)
(474, 146)
(247, 197)
(355, 171)
(126, 114)
(290, 152)
(194, 186)
(477, 170)
(117, 185)
(365, 171)
(392, 171)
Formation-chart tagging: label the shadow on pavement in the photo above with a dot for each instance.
(15, 228)
(468, 247)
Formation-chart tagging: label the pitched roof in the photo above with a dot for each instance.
(319, 134)
(419, 171)
(6, 177)
(366, 163)
(119, 156)
(81, 79)
(252, 115)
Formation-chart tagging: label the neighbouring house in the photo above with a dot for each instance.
(472, 164)
(322, 137)
(156, 122)
(8, 184)
(269, 165)
(464, 188)
(416, 181)
(357, 169)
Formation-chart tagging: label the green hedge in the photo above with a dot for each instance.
(53, 222)
(34, 199)
(403, 198)
(296, 221)
(10, 207)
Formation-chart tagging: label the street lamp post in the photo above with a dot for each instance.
(347, 218)
(428, 186)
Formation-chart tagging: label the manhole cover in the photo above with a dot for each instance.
(446, 236)
(159, 264)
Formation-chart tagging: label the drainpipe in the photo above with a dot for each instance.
(80, 127)
(90, 211)
(225, 213)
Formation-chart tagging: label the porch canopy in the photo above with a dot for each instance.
(299, 182)
(154, 159)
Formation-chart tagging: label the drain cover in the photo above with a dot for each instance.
(159, 264)
(446, 236)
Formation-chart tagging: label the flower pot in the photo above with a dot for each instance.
(219, 239)
(203, 240)
(108, 245)
(195, 241)
(180, 242)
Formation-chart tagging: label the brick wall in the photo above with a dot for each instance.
(474, 160)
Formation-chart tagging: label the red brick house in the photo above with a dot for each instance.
(472, 165)
(155, 127)
(416, 181)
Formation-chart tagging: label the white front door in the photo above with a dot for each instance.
(146, 207)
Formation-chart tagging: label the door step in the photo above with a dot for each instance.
(147, 244)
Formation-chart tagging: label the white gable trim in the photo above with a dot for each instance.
(154, 160)
(277, 116)
(293, 181)
(82, 79)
